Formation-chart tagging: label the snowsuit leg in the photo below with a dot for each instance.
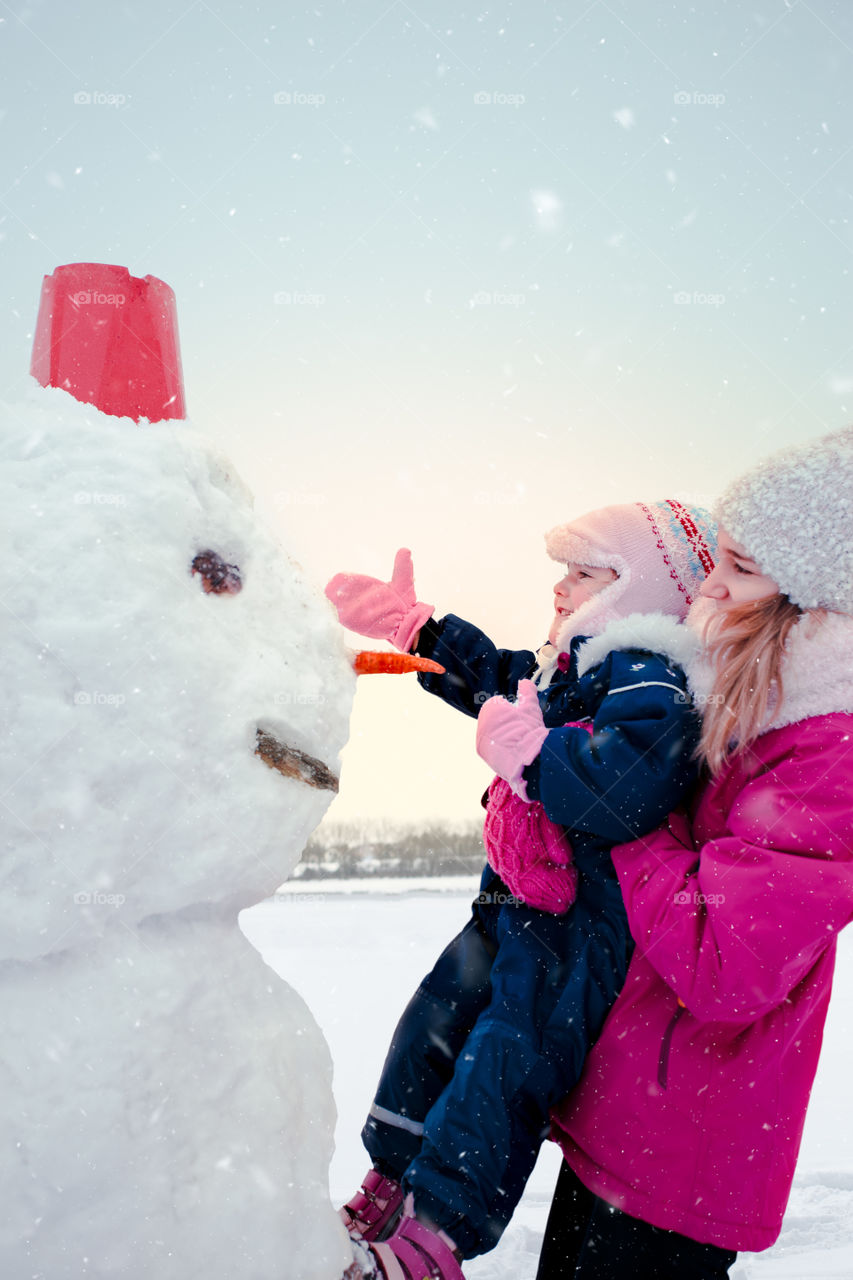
(554, 980)
(426, 1043)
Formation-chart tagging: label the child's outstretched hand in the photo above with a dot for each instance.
(510, 734)
(383, 610)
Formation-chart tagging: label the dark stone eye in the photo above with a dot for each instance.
(217, 577)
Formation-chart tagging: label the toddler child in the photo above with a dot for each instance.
(595, 749)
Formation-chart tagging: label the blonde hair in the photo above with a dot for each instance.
(746, 645)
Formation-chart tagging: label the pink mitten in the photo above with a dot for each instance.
(383, 610)
(531, 854)
(510, 734)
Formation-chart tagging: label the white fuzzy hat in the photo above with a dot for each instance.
(793, 513)
(661, 551)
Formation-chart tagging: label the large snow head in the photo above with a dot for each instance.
(157, 639)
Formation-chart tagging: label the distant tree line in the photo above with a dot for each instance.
(348, 850)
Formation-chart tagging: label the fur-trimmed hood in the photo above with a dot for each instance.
(817, 674)
(655, 632)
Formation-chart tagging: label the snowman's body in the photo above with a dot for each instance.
(166, 1099)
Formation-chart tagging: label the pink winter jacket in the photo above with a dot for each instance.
(691, 1107)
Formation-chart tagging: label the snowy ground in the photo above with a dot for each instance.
(356, 957)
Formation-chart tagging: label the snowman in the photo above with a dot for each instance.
(176, 696)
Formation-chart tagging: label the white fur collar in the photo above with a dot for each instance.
(656, 632)
(817, 676)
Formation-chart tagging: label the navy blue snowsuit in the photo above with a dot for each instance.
(498, 1032)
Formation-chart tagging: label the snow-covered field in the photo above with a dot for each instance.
(356, 957)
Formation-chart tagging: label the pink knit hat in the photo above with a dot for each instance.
(661, 551)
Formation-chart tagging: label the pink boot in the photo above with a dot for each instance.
(413, 1252)
(373, 1211)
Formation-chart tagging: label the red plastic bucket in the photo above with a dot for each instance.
(111, 340)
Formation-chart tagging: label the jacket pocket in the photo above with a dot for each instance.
(666, 1042)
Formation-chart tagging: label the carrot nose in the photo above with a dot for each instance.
(372, 662)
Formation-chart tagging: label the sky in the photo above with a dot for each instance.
(448, 276)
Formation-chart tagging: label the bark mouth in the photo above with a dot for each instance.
(294, 763)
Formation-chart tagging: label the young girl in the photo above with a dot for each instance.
(597, 748)
(682, 1137)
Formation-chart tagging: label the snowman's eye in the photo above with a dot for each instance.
(217, 577)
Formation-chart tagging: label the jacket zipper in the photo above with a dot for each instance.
(663, 1060)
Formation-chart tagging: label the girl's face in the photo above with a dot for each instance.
(580, 583)
(736, 579)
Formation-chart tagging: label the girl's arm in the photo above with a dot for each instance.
(733, 927)
(625, 776)
(475, 668)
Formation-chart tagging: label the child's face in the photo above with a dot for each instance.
(736, 578)
(580, 583)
